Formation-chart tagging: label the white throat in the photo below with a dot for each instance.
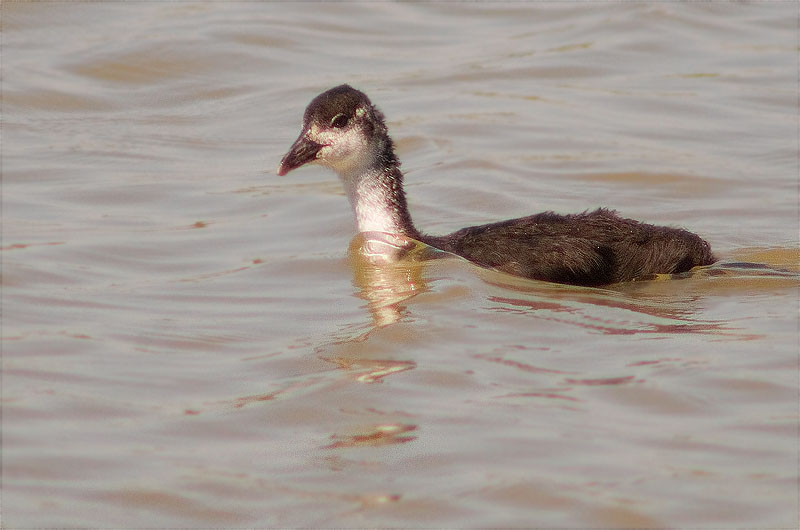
(372, 202)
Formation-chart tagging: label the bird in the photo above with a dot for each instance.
(343, 131)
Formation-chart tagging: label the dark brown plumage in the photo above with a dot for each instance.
(592, 248)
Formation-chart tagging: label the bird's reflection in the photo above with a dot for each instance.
(387, 269)
(388, 272)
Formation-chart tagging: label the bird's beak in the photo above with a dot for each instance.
(302, 152)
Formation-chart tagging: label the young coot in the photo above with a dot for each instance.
(344, 131)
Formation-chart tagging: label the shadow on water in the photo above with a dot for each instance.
(666, 304)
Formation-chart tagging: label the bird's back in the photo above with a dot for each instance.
(592, 248)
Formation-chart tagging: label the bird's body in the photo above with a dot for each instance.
(593, 248)
(344, 131)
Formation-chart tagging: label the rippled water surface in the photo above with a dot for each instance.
(188, 343)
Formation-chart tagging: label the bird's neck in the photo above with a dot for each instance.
(376, 195)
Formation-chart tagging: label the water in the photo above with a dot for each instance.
(188, 343)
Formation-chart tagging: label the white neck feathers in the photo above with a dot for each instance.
(373, 201)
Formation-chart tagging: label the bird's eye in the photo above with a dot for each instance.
(339, 121)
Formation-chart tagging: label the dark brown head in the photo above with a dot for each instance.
(342, 130)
